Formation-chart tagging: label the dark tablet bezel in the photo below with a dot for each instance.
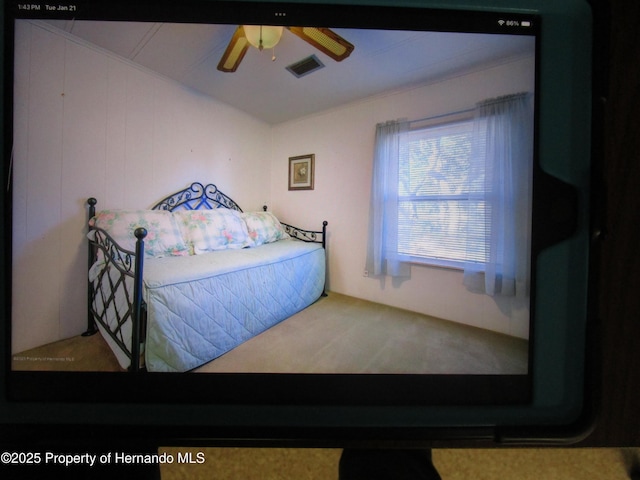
(503, 407)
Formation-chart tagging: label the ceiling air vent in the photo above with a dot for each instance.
(305, 66)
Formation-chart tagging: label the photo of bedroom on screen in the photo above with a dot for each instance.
(213, 198)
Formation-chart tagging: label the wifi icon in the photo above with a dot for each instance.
(501, 22)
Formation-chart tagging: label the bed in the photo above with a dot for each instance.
(178, 285)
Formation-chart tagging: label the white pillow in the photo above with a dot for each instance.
(164, 237)
(217, 229)
(264, 227)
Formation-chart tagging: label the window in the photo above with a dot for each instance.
(456, 194)
(439, 221)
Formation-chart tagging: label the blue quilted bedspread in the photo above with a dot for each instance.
(200, 307)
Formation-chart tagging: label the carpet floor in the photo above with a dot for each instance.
(337, 334)
(341, 334)
(452, 464)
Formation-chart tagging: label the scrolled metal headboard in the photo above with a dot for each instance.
(195, 197)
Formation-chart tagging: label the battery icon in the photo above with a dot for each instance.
(525, 23)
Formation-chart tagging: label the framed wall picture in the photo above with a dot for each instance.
(301, 172)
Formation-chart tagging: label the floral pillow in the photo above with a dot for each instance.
(264, 227)
(163, 239)
(217, 229)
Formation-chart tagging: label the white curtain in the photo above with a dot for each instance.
(500, 180)
(383, 209)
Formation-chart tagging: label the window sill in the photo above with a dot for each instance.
(436, 263)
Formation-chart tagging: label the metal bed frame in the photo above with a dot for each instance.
(130, 265)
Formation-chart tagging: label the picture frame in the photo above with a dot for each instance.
(301, 172)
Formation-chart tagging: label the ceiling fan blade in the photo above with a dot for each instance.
(325, 40)
(235, 51)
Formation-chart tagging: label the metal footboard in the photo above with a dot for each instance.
(115, 290)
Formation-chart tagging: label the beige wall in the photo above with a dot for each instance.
(91, 124)
(342, 141)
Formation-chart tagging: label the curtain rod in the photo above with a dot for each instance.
(469, 110)
(435, 117)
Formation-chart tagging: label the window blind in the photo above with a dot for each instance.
(438, 218)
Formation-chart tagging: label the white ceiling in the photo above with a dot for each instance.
(381, 61)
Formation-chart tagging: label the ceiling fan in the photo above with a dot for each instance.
(263, 36)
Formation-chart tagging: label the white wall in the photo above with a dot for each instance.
(342, 141)
(90, 124)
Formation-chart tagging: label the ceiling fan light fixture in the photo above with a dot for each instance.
(267, 36)
(263, 36)
(325, 40)
(235, 51)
